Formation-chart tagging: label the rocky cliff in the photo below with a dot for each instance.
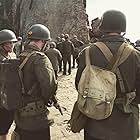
(60, 16)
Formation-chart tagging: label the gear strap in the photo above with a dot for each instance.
(21, 73)
(114, 61)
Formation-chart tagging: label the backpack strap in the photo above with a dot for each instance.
(108, 54)
(118, 59)
(21, 74)
(87, 56)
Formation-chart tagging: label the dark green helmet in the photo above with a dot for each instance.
(38, 31)
(137, 42)
(66, 36)
(113, 21)
(7, 35)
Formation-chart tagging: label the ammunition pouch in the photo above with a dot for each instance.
(33, 109)
(126, 102)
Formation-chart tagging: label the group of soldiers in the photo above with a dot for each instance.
(48, 57)
(41, 70)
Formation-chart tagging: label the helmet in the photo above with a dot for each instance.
(52, 44)
(137, 42)
(19, 38)
(7, 35)
(74, 36)
(62, 35)
(113, 21)
(66, 36)
(38, 31)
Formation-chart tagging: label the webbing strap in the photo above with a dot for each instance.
(108, 54)
(115, 60)
(20, 70)
(87, 56)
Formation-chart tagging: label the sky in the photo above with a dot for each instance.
(131, 9)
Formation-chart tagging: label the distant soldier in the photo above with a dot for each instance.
(59, 47)
(95, 33)
(7, 37)
(62, 36)
(18, 46)
(39, 79)
(55, 56)
(78, 46)
(137, 44)
(67, 51)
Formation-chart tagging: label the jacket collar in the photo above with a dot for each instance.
(32, 47)
(112, 38)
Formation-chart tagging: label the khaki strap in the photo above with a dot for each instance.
(20, 70)
(87, 56)
(26, 59)
(108, 54)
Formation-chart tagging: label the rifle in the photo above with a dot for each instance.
(53, 101)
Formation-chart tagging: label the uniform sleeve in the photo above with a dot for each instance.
(45, 76)
(137, 99)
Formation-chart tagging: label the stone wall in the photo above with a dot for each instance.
(60, 16)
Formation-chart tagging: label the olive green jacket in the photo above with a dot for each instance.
(119, 126)
(38, 70)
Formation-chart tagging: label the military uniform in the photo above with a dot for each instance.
(6, 117)
(67, 51)
(7, 37)
(77, 45)
(31, 120)
(55, 57)
(120, 125)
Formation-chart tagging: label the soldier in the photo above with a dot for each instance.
(59, 47)
(62, 36)
(137, 44)
(95, 33)
(38, 79)
(18, 46)
(78, 46)
(55, 56)
(123, 123)
(67, 51)
(7, 39)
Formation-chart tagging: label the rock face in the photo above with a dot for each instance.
(60, 16)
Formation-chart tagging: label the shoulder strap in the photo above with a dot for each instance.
(125, 47)
(20, 69)
(108, 54)
(87, 56)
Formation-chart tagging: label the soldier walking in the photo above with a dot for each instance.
(55, 57)
(123, 123)
(7, 39)
(39, 79)
(67, 51)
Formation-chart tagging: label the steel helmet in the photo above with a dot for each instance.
(7, 35)
(38, 31)
(66, 36)
(137, 42)
(52, 44)
(113, 21)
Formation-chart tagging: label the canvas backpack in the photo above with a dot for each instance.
(97, 86)
(11, 83)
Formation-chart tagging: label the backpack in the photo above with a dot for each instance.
(11, 82)
(97, 86)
